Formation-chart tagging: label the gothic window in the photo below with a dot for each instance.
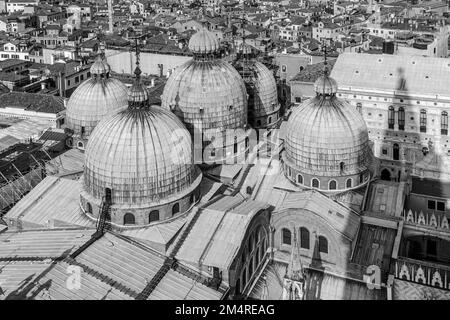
(315, 183)
(128, 218)
(300, 179)
(444, 123)
(286, 236)
(391, 117)
(175, 208)
(348, 183)
(333, 185)
(304, 238)
(154, 216)
(423, 120)
(401, 118)
(323, 244)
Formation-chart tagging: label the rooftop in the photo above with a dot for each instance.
(32, 102)
(430, 187)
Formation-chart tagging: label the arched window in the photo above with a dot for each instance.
(359, 107)
(192, 198)
(315, 183)
(423, 120)
(444, 123)
(269, 121)
(396, 151)
(323, 244)
(128, 218)
(286, 236)
(342, 166)
(300, 179)
(80, 145)
(175, 208)
(401, 118)
(304, 238)
(391, 117)
(88, 208)
(332, 185)
(153, 216)
(385, 175)
(235, 147)
(213, 152)
(348, 183)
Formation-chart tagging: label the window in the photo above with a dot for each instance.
(431, 204)
(323, 244)
(300, 179)
(444, 123)
(348, 183)
(153, 216)
(315, 183)
(175, 208)
(128, 218)
(332, 185)
(304, 238)
(88, 208)
(235, 147)
(401, 118)
(286, 236)
(298, 99)
(423, 120)
(440, 206)
(342, 166)
(82, 77)
(384, 151)
(396, 152)
(391, 117)
(80, 145)
(77, 79)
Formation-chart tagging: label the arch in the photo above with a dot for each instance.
(323, 244)
(249, 190)
(304, 238)
(342, 166)
(175, 208)
(391, 117)
(315, 183)
(88, 207)
(396, 151)
(349, 183)
(153, 216)
(129, 218)
(332, 185)
(80, 145)
(359, 107)
(300, 179)
(401, 118)
(385, 175)
(286, 237)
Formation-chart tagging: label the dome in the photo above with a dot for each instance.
(263, 106)
(143, 155)
(327, 140)
(209, 96)
(95, 98)
(204, 42)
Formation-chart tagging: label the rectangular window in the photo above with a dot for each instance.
(431, 204)
(444, 123)
(77, 79)
(384, 151)
(298, 99)
(423, 121)
(440, 206)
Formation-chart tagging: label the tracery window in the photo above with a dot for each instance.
(391, 117)
(401, 118)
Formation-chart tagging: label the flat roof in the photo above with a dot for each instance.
(431, 187)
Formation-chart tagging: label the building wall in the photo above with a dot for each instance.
(124, 62)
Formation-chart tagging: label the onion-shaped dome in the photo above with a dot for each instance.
(204, 42)
(94, 99)
(327, 141)
(144, 156)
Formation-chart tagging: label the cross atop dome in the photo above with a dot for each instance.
(138, 93)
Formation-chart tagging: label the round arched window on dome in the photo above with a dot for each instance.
(129, 218)
(80, 145)
(349, 183)
(153, 216)
(315, 183)
(175, 208)
(299, 179)
(88, 207)
(332, 185)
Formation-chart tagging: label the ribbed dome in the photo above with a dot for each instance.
(204, 42)
(327, 137)
(143, 155)
(100, 67)
(262, 88)
(210, 93)
(325, 85)
(94, 99)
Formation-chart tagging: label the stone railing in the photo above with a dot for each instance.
(422, 272)
(434, 219)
